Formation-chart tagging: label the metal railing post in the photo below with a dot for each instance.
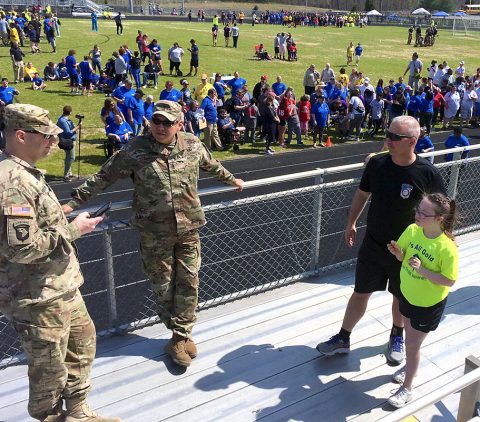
(317, 225)
(110, 276)
(454, 175)
(470, 396)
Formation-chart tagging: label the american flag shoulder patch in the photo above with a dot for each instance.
(21, 211)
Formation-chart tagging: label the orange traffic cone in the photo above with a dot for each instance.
(329, 142)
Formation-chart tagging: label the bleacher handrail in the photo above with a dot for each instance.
(433, 397)
(288, 178)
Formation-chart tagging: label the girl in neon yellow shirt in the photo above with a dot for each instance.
(429, 259)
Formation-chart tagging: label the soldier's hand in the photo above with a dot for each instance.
(67, 209)
(239, 184)
(85, 223)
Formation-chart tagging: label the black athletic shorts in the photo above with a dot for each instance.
(421, 318)
(194, 62)
(376, 269)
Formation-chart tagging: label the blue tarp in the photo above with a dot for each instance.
(440, 14)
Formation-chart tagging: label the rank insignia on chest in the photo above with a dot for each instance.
(405, 190)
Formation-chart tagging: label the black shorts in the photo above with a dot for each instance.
(424, 319)
(277, 50)
(86, 83)
(194, 62)
(376, 269)
(73, 80)
(282, 122)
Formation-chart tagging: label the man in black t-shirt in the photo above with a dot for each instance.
(395, 183)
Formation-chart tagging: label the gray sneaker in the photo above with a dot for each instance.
(395, 351)
(333, 346)
(401, 397)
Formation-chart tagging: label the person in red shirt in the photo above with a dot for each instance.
(304, 107)
(438, 102)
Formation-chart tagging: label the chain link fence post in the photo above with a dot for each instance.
(110, 274)
(317, 224)
(454, 175)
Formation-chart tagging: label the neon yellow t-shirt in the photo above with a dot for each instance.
(439, 255)
(350, 51)
(343, 79)
(215, 20)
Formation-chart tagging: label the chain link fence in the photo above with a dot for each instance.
(249, 245)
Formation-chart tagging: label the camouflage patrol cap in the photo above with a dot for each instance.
(30, 117)
(168, 109)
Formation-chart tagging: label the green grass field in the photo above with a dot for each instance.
(385, 56)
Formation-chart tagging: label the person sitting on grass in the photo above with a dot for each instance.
(50, 72)
(29, 72)
(232, 132)
(263, 54)
(37, 83)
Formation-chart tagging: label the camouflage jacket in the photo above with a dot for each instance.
(38, 262)
(165, 198)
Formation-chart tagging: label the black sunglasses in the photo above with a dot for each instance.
(45, 137)
(164, 123)
(396, 136)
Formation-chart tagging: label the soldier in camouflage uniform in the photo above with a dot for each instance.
(167, 212)
(40, 273)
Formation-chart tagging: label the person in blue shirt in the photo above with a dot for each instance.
(155, 50)
(329, 88)
(279, 87)
(7, 93)
(320, 112)
(457, 139)
(400, 83)
(148, 107)
(136, 112)
(236, 83)
(86, 71)
(71, 65)
(49, 29)
(170, 93)
(209, 106)
(37, 83)
(424, 144)
(358, 53)
(121, 94)
(33, 37)
(119, 132)
(67, 139)
(220, 87)
(426, 110)
(94, 21)
(414, 104)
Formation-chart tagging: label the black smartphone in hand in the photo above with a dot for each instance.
(102, 210)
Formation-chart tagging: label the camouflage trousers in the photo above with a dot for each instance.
(59, 341)
(172, 264)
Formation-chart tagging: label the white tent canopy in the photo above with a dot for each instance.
(421, 11)
(374, 13)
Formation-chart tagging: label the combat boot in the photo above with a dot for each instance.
(176, 349)
(81, 412)
(190, 348)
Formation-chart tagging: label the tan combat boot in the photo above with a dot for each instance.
(176, 349)
(81, 412)
(190, 348)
